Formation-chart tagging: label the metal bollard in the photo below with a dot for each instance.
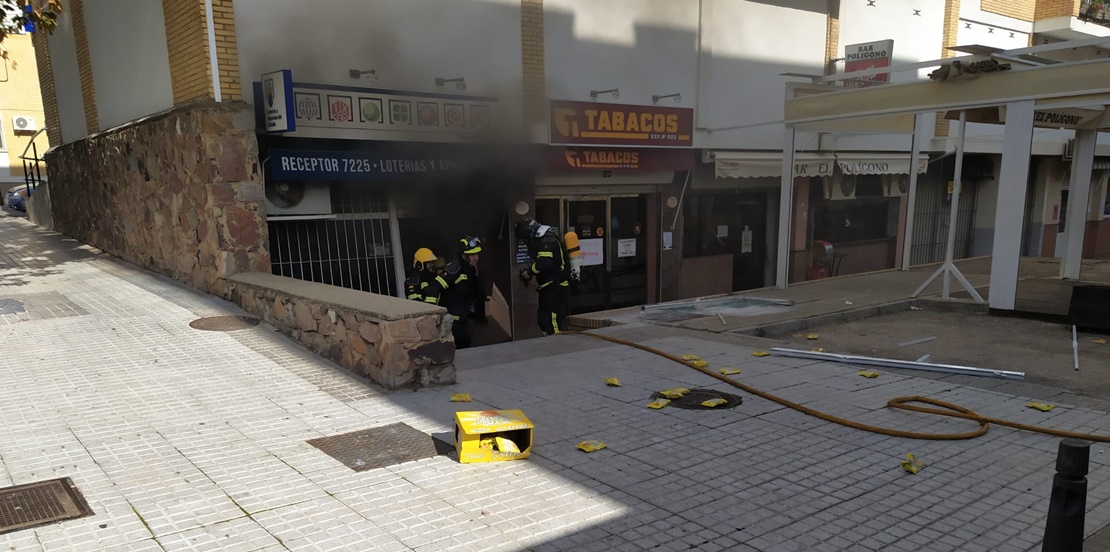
(1063, 532)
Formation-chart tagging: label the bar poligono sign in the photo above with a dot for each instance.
(591, 123)
(869, 55)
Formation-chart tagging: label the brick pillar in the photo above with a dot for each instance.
(951, 31)
(1049, 9)
(84, 66)
(189, 53)
(46, 87)
(532, 45)
(227, 51)
(832, 36)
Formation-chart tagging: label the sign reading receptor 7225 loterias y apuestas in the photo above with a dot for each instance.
(592, 123)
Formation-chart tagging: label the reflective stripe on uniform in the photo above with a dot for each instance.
(543, 285)
(460, 278)
(554, 323)
(547, 254)
(442, 282)
(432, 300)
(564, 283)
(414, 296)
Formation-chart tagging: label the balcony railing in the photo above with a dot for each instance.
(1095, 11)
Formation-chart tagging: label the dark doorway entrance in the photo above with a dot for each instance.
(733, 224)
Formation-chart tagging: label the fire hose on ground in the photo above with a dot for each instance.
(900, 403)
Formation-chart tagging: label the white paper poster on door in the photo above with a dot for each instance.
(626, 248)
(746, 241)
(668, 237)
(593, 252)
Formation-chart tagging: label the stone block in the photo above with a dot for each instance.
(278, 309)
(356, 343)
(428, 326)
(325, 326)
(400, 331)
(371, 332)
(303, 317)
(244, 227)
(445, 374)
(249, 192)
(435, 352)
(445, 324)
(350, 320)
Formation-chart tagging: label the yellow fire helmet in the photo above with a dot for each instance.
(422, 256)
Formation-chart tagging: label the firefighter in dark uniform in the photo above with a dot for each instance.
(550, 270)
(426, 282)
(465, 297)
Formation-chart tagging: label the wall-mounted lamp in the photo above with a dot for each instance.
(677, 97)
(460, 82)
(356, 74)
(616, 92)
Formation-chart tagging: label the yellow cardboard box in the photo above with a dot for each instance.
(476, 432)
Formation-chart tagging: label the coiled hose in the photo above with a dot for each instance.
(900, 403)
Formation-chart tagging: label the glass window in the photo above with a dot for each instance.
(851, 220)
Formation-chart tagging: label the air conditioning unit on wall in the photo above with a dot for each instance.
(298, 199)
(22, 123)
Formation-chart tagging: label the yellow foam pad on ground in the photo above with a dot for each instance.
(460, 397)
(590, 446)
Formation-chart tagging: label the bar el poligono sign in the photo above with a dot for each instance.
(870, 55)
(591, 123)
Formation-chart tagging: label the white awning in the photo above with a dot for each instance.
(879, 163)
(752, 164)
(755, 164)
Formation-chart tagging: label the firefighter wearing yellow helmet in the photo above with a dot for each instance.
(426, 282)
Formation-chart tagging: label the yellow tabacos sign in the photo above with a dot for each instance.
(610, 124)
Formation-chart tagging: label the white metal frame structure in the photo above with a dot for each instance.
(1027, 88)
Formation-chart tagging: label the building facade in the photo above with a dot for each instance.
(21, 110)
(650, 127)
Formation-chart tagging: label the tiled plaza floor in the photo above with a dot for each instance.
(183, 439)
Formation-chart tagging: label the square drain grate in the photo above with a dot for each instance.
(381, 446)
(42, 503)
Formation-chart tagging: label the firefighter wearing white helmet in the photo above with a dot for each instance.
(426, 282)
(466, 298)
(550, 268)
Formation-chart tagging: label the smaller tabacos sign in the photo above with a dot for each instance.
(359, 166)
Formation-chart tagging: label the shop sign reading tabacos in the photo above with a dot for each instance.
(583, 123)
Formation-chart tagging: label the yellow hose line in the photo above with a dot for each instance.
(901, 403)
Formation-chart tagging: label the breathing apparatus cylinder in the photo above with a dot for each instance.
(574, 253)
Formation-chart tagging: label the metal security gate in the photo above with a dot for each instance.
(353, 248)
(931, 219)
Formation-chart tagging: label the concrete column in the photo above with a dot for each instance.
(1079, 196)
(911, 195)
(786, 204)
(1010, 212)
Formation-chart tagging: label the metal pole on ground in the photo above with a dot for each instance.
(911, 195)
(948, 269)
(1063, 531)
(786, 208)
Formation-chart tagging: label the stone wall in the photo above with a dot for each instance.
(178, 193)
(393, 342)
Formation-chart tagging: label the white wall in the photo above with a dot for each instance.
(67, 81)
(408, 42)
(129, 58)
(642, 47)
(751, 43)
(916, 38)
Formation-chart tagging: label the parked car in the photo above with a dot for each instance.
(16, 199)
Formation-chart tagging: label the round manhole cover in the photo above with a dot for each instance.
(693, 400)
(224, 323)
